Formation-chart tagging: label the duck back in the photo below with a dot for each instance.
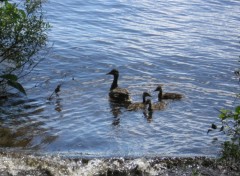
(120, 95)
(156, 106)
(175, 96)
(159, 105)
(139, 105)
(136, 106)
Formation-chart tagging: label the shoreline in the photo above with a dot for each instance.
(13, 163)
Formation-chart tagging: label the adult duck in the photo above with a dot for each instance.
(172, 96)
(117, 94)
(139, 105)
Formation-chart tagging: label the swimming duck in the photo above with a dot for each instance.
(157, 106)
(139, 105)
(116, 93)
(173, 96)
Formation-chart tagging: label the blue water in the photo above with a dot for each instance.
(189, 46)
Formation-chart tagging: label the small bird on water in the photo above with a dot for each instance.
(56, 91)
(139, 105)
(172, 96)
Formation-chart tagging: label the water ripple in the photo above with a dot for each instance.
(189, 47)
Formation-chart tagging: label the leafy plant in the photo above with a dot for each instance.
(230, 125)
(231, 152)
(23, 34)
(11, 80)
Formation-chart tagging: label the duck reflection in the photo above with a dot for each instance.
(58, 106)
(116, 110)
(28, 137)
(148, 115)
(116, 122)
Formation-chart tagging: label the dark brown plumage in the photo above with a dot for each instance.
(156, 106)
(116, 93)
(139, 105)
(173, 96)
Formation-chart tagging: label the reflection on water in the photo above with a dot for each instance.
(17, 127)
(116, 110)
(148, 115)
(25, 137)
(58, 106)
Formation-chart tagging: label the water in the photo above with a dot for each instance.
(190, 47)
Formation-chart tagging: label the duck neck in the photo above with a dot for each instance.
(160, 95)
(149, 106)
(144, 99)
(115, 82)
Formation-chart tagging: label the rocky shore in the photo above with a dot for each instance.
(15, 164)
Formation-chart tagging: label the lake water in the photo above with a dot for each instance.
(189, 46)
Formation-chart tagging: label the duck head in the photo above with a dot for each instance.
(113, 72)
(145, 94)
(159, 88)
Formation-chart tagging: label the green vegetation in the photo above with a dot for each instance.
(230, 126)
(23, 34)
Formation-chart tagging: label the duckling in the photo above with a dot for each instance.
(173, 96)
(116, 93)
(139, 105)
(157, 106)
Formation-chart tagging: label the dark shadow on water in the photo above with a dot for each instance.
(22, 126)
(148, 115)
(58, 105)
(29, 137)
(116, 109)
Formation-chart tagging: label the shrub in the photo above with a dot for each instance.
(23, 34)
(230, 125)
